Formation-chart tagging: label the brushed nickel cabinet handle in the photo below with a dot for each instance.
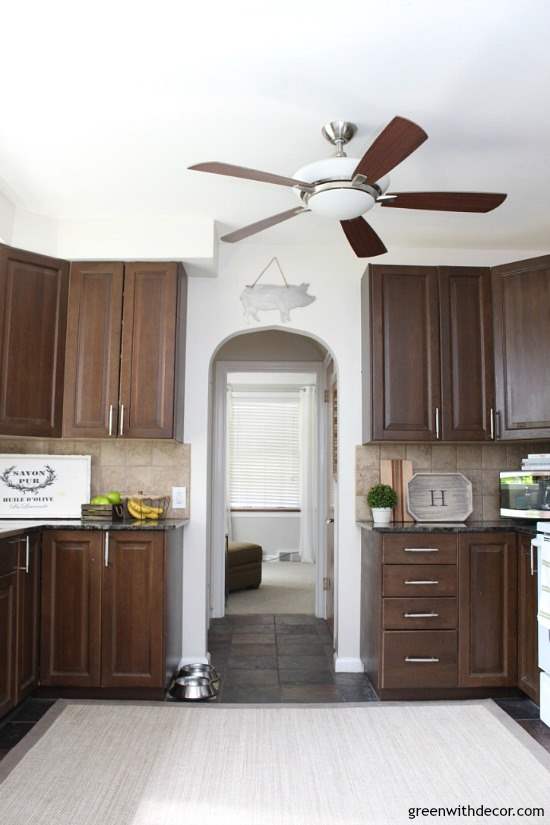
(121, 426)
(420, 581)
(27, 554)
(421, 549)
(437, 432)
(110, 419)
(420, 615)
(492, 423)
(106, 550)
(532, 554)
(421, 659)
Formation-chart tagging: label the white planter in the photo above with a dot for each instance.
(381, 515)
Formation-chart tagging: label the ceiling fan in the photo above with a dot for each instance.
(345, 188)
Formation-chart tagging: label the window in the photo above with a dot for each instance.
(263, 450)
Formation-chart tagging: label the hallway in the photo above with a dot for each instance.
(280, 658)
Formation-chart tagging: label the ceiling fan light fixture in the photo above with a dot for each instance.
(341, 204)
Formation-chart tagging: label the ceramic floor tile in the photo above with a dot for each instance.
(519, 707)
(538, 730)
(12, 732)
(252, 662)
(245, 677)
(31, 710)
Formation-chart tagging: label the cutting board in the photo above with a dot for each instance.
(397, 473)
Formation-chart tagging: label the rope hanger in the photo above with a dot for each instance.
(276, 260)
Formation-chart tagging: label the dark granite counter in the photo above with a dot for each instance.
(528, 528)
(11, 527)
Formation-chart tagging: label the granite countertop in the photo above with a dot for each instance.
(502, 526)
(11, 527)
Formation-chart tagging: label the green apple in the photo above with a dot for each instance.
(113, 497)
(100, 500)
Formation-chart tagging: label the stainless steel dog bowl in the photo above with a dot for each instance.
(199, 669)
(192, 688)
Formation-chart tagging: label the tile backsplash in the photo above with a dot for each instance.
(131, 466)
(480, 463)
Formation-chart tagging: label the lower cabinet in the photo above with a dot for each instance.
(28, 613)
(487, 571)
(103, 609)
(448, 613)
(8, 626)
(528, 670)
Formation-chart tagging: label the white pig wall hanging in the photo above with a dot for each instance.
(282, 297)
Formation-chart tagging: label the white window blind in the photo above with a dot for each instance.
(263, 450)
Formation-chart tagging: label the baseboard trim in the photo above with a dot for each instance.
(348, 664)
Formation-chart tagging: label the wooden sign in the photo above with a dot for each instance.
(43, 486)
(397, 473)
(440, 497)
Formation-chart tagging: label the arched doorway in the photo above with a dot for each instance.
(275, 356)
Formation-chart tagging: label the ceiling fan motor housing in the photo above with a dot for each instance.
(334, 195)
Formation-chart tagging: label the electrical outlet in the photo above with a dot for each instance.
(179, 498)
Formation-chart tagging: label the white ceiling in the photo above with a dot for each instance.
(104, 105)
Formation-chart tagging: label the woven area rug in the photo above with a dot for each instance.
(162, 764)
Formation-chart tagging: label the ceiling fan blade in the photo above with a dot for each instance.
(249, 174)
(394, 144)
(445, 201)
(362, 238)
(259, 226)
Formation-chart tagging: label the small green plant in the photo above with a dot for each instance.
(382, 495)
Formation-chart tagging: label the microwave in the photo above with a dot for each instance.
(525, 494)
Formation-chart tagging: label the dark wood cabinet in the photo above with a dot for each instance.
(528, 670)
(92, 368)
(33, 306)
(467, 380)
(8, 625)
(133, 611)
(28, 613)
(148, 351)
(125, 345)
(406, 387)
(521, 293)
(487, 571)
(431, 354)
(71, 608)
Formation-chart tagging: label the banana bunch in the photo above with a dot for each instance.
(139, 510)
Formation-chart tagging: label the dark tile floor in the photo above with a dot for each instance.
(287, 658)
(266, 658)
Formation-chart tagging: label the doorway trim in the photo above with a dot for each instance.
(218, 473)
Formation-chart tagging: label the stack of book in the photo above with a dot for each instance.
(536, 461)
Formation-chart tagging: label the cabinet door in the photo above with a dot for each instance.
(92, 369)
(467, 382)
(33, 312)
(133, 611)
(8, 625)
(28, 614)
(521, 294)
(487, 565)
(71, 608)
(406, 392)
(148, 351)
(528, 670)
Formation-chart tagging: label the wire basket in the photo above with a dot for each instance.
(147, 508)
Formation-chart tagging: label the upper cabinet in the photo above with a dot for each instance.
(467, 382)
(124, 350)
(521, 294)
(33, 309)
(92, 371)
(431, 354)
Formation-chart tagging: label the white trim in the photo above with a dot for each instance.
(218, 470)
(348, 664)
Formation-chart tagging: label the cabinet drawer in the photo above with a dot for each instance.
(420, 548)
(419, 658)
(419, 614)
(413, 580)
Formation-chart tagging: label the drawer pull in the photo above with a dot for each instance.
(420, 581)
(421, 549)
(418, 660)
(420, 615)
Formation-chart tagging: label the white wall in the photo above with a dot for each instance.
(214, 314)
(274, 531)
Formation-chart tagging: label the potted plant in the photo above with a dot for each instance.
(382, 499)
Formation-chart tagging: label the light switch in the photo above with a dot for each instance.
(179, 498)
